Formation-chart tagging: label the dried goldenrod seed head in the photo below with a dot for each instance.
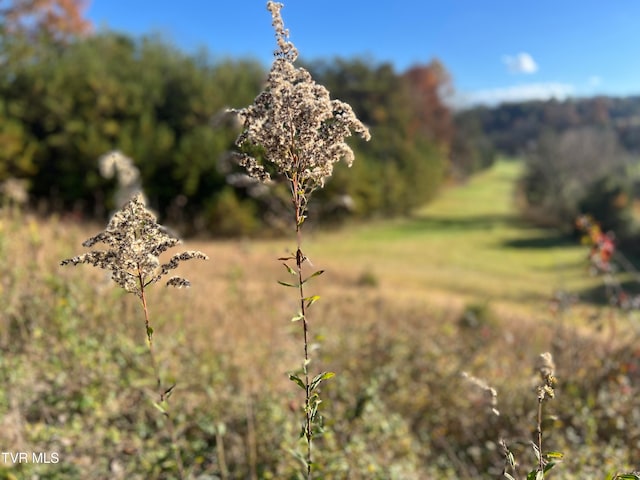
(286, 49)
(301, 130)
(491, 392)
(546, 365)
(134, 242)
(546, 369)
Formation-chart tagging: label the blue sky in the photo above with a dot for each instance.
(494, 49)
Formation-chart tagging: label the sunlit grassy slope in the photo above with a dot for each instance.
(78, 381)
(467, 245)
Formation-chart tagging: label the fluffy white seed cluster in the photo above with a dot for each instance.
(117, 164)
(547, 369)
(301, 130)
(14, 191)
(134, 241)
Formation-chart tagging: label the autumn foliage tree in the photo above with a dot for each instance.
(58, 20)
(428, 86)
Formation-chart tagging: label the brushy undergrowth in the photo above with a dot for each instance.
(77, 381)
(83, 383)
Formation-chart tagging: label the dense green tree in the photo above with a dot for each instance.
(71, 105)
(404, 164)
(64, 105)
(471, 149)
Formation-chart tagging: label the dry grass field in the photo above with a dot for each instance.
(406, 306)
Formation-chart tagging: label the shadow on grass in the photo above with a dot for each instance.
(599, 295)
(554, 239)
(559, 267)
(456, 224)
(539, 240)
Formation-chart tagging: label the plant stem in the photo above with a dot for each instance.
(539, 432)
(161, 392)
(224, 472)
(299, 204)
(251, 439)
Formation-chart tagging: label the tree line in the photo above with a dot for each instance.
(66, 100)
(581, 157)
(513, 127)
(69, 96)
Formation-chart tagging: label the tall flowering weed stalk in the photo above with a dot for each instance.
(545, 460)
(301, 134)
(134, 242)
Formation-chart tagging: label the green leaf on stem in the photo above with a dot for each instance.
(311, 300)
(297, 455)
(548, 466)
(314, 274)
(294, 285)
(319, 378)
(535, 475)
(169, 391)
(298, 317)
(296, 379)
(312, 407)
(536, 450)
(289, 269)
(159, 406)
(554, 455)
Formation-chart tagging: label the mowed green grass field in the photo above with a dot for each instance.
(469, 245)
(468, 249)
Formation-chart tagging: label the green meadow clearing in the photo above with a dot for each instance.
(406, 307)
(469, 245)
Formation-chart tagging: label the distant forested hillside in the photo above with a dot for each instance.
(581, 157)
(512, 127)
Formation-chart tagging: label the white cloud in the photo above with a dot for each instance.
(595, 81)
(520, 63)
(517, 93)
